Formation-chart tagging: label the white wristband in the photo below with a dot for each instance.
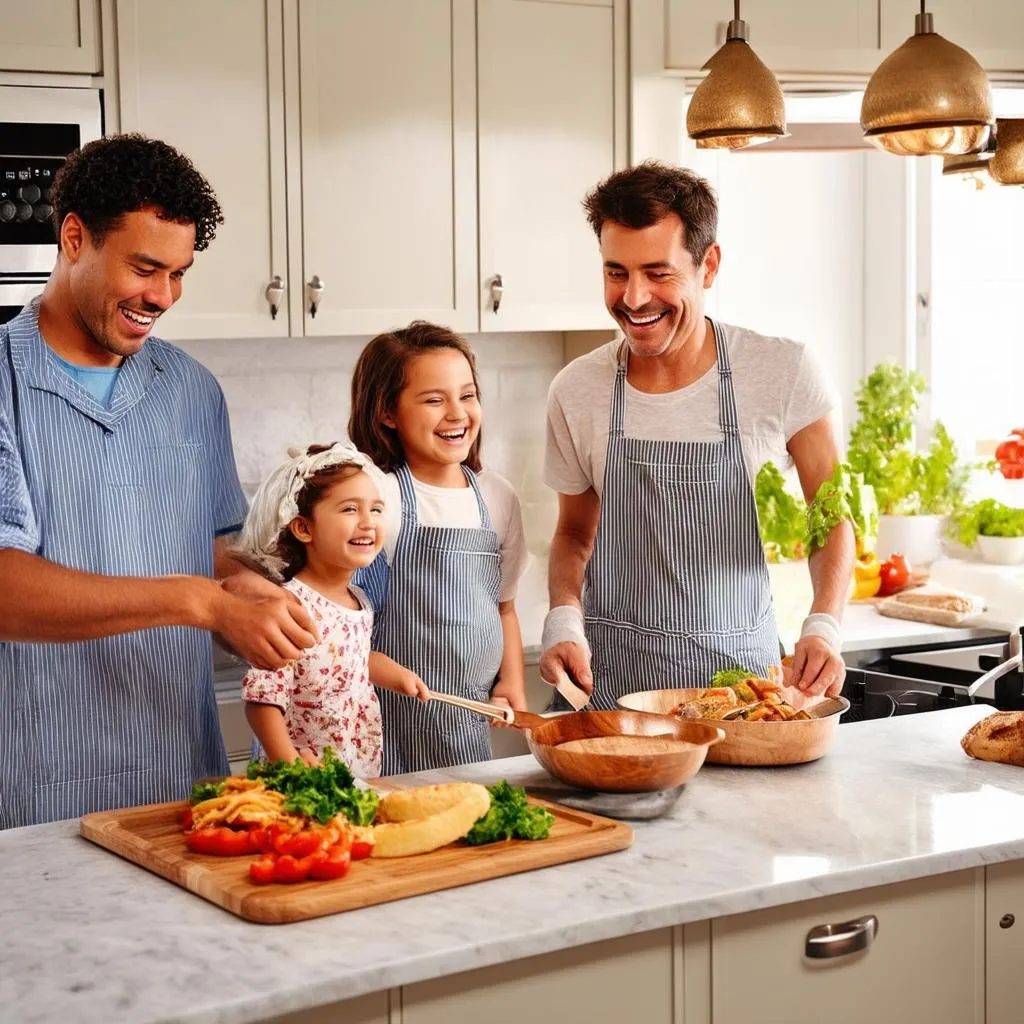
(563, 624)
(824, 625)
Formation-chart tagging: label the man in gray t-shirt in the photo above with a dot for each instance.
(657, 574)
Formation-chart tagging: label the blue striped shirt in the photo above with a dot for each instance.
(137, 489)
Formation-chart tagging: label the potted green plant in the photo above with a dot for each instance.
(915, 490)
(996, 529)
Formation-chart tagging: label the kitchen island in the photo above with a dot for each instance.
(680, 927)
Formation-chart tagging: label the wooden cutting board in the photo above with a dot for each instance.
(152, 837)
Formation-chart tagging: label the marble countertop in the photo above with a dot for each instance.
(88, 937)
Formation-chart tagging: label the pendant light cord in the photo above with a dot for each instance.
(736, 9)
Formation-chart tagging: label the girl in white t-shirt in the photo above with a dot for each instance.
(444, 587)
(314, 522)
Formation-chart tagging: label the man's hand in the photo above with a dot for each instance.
(817, 668)
(571, 658)
(263, 623)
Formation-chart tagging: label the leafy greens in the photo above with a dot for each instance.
(989, 518)
(510, 817)
(318, 792)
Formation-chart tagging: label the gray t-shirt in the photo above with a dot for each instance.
(780, 388)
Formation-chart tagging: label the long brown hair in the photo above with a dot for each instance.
(290, 549)
(378, 379)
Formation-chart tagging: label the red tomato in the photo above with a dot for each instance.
(261, 871)
(288, 869)
(895, 574)
(334, 865)
(186, 819)
(361, 850)
(299, 844)
(1010, 449)
(219, 842)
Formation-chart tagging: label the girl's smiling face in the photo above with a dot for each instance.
(437, 416)
(346, 529)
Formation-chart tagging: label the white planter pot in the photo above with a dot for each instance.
(1002, 550)
(918, 538)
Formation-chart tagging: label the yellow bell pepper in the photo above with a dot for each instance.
(866, 588)
(867, 568)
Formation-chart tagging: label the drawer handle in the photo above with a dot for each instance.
(831, 940)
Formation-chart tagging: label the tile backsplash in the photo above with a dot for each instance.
(297, 391)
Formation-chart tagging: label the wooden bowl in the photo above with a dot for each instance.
(751, 743)
(622, 772)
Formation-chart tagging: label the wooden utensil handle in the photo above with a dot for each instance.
(506, 715)
(577, 697)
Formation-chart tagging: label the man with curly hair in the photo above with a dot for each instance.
(118, 490)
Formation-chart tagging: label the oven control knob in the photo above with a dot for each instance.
(30, 193)
(7, 211)
(43, 212)
(24, 211)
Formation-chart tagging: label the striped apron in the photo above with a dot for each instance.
(440, 620)
(677, 587)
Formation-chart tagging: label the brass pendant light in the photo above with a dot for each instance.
(1007, 163)
(739, 103)
(971, 167)
(929, 96)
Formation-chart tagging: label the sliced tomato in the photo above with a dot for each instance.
(288, 869)
(186, 819)
(218, 841)
(261, 871)
(299, 844)
(361, 850)
(334, 865)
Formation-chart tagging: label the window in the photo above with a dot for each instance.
(974, 336)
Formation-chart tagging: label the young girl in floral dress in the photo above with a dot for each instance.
(313, 523)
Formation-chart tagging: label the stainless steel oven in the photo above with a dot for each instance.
(39, 127)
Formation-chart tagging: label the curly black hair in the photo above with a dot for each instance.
(120, 174)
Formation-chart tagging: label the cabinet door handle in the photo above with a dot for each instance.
(274, 294)
(316, 290)
(497, 290)
(831, 940)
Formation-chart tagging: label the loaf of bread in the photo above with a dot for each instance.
(1000, 737)
(945, 601)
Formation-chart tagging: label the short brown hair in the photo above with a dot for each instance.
(641, 196)
(290, 549)
(378, 379)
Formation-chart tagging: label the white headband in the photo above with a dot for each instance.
(274, 504)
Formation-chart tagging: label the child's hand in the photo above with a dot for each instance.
(309, 757)
(411, 685)
(515, 701)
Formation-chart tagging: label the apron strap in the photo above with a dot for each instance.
(728, 420)
(408, 493)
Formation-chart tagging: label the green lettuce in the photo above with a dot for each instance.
(510, 816)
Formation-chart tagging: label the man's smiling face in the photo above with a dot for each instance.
(652, 285)
(122, 285)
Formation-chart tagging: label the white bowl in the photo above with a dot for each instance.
(1002, 550)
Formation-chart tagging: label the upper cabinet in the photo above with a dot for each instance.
(51, 35)
(992, 30)
(548, 133)
(388, 152)
(364, 184)
(216, 94)
(796, 36)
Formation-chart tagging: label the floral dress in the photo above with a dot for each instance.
(327, 697)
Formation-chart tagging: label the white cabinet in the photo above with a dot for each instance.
(548, 88)
(215, 93)
(50, 35)
(628, 979)
(388, 163)
(925, 965)
(828, 36)
(992, 30)
(1004, 941)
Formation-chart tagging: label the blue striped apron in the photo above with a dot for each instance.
(677, 587)
(440, 620)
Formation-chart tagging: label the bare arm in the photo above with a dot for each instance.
(267, 724)
(571, 548)
(386, 673)
(818, 667)
(42, 602)
(510, 686)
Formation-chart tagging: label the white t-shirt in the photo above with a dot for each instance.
(779, 386)
(457, 507)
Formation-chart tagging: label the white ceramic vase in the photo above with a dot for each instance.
(918, 538)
